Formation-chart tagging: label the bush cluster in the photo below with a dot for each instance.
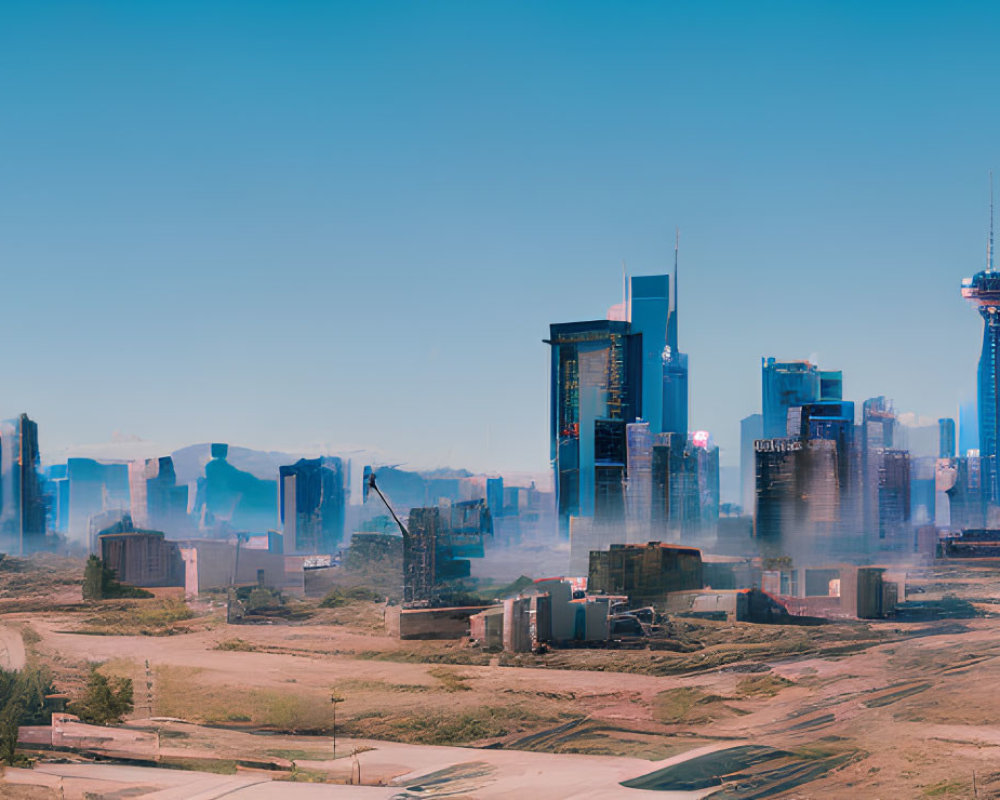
(99, 583)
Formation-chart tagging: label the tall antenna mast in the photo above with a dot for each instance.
(672, 314)
(677, 247)
(989, 243)
(624, 292)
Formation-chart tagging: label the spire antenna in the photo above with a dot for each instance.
(989, 243)
(624, 286)
(672, 312)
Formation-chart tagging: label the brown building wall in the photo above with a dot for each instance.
(430, 623)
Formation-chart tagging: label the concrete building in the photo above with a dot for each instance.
(971, 543)
(543, 614)
(430, 623)
(142, 558)
(837, 591)
(645, 573)
(215, 564)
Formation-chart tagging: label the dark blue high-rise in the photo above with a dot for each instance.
(983, 289)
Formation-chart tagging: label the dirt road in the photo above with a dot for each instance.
(11, 648)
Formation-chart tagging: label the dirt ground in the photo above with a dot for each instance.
(896, 708)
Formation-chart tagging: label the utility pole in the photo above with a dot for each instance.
(232, 583)
(335, 698)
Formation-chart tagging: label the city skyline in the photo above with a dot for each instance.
(236, 261)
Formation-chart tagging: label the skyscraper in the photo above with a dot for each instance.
(751, 429)
(23, 505)
(313, 500)
(82, 488)
(649, 318)
(675, 369)
(946, 437)
(983, 290)
(787, 384)
(607, 374)
(596, 376)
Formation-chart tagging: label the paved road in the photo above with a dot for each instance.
(11, 648)
(76, 781)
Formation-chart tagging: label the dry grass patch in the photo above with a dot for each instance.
(238, 645)
(446, 728)
(451, 681)
(689, 705)
(358, 685)
(948, 789)
(762, 685)
(142, 617)
(180, 692)
(429, 655)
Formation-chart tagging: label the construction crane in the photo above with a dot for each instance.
(402, 528)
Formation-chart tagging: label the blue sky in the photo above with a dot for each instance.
(327, 225)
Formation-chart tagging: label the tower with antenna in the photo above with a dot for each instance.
(983, 291)
(672, 317)
(675, 364)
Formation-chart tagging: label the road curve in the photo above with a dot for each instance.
(11, 648)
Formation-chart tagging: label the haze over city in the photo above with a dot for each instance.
(552, 400)
(324, 227)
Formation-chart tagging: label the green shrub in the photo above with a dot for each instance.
(99, 583)
(104, 700)
(341, 596)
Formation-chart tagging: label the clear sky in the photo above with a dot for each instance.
(303, 225)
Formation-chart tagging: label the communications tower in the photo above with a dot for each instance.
(983, 290)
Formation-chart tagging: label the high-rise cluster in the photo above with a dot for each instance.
(821, 484)
(626, 467)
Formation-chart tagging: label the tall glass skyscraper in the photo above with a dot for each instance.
(605, 375)
(983, 290)
(596, 377)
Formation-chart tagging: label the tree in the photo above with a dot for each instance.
(22, 702)
(104, 700)
(99, 582)
(9, 721)
(93, 579)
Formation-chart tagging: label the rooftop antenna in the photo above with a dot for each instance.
(989, 243)
(624, 291)
(672, 313)
(626, 300)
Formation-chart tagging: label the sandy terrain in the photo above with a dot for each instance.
(899, 708)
